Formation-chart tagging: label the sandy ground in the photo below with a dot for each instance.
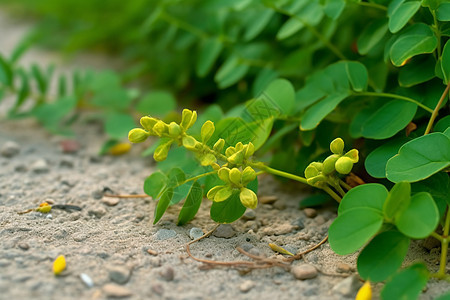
(113, 250)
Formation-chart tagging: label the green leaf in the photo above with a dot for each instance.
(438, 186)
(180, 192)
(6, 73)
(155, 183)
(231, 71)
(372, 35)
(420, 218)
(443, 12)
(163, 204)
(418, 39)
(51, 115)
(420, 158)
(370, 195)
(442, 124)
(357, 75)
(445, 63)
(289, 28)
(257, 23)
(382, 256)
(41, 80)
(117, 125)
(191, 205)
(397, 201)
(334, 8)
(407, 284)
(176, 177)
(417, 72)
(208, 54)
(157, 103)
(376, 161)
(389, 119)
(353, 228)
(402, 14)
(316, 113)
(443, 297)
(231, 209)
(24, 90)
(281, 95)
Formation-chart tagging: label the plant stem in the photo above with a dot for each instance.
(388, 95)
(437, 236)
(437, 32)
(340, 190)
(444, 247)
(345, 185)
(332, 194)
(283, 174)
(436, 110)
(373, 5)
(197, 177)
(183, 25)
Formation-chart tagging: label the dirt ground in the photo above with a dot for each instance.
(113, 250)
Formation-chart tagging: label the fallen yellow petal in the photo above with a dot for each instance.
(44, 208)
(278, 249)
(59, 264)
(120, 149)
(365, 292)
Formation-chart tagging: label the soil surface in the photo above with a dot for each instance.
(113, 250)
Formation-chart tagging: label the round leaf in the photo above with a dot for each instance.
(117, 125)
(445, 64)
(420, 218)
(209, 51)
(372, 35)
(402, 14)
(398, 200)
(371, 195)
(420, 158)
(352, 229)
(154, 184)
(382, 256)
(280, 94)
(406, 284)
(157, 103)
(376, 161)
(357, 75)
(230, 72)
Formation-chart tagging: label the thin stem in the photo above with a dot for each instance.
(183, 25)
(437, 236)
(332, 194)
(437, 32)
(444, 247)
(388, 95)
(436, 109)
(373, 5)
(345, 185)
(340, 190)
(197, 177)
(283, 174)
(447, 224)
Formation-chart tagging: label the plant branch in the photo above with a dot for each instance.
(282, 174)
(372, 5)
(388, 95)
(436, 109)
(332, 194)
(345, 185)
(444, 247)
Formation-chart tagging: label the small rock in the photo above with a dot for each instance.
(39, 166)
(66, 162)
(20, 168)
(97, 211)
(304, 271)
(268, 199)
(69, 146)
(116, 291)
(152, 252)
(320, 220)
(97, 194)
(298, 224)
(158, 289)
(87, 280)
(343, 268)
(164, 234)
(347, 287)
(168, 273)
(24, 246)
(195, 233)
(110, 201)
(279, 204)
(310, 212)
(246, 246)
(139, 217)
(224, 231)
(255, 251)
(119, 274)
(249, 214)
(10, 149)
(246, 286)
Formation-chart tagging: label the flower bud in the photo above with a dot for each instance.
(239, 146)
(188, 119)
(223, 194)
(317, 165)
(353, 155)
(235, 176)
(218, 146)
(162, 151)
(365, 292)
(189, 142)
(311, 171)
(207, 131)
(137, 135)
(316, 180)
(248, 175)
(236, 158)
(215, 166)
(230, 151)
(344, 165)
(207, 159)
(224, 174)
(249, 150)
(160, 128)
(328, 164)
(174, 130)
(59, 264)
(212, 192)
(337, 146)
(248, 198)
(148, 122)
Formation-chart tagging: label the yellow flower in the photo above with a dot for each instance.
(59, 264)
(365, 292)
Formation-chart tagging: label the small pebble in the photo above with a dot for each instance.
(69, 146)
(310, 212)
(224, 231)
(268, 199)
(20, 168)
(158, 289)
(246, 286)
(116, 291)
(304, 271)
(97, 194)
(347, 287)
(10, 149)
(164, 234)
(97, 211)
(66, 162)
(246, 246)
(110, 201)
(119, 274)
(39, 166)
(279, 204)
(152, 252)
(298, 224)
(249, 214)
(255, 251)
(195, 233)
(24, 246)
(87, 280)
(320, 220)
(168, 273)
(343, 268)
